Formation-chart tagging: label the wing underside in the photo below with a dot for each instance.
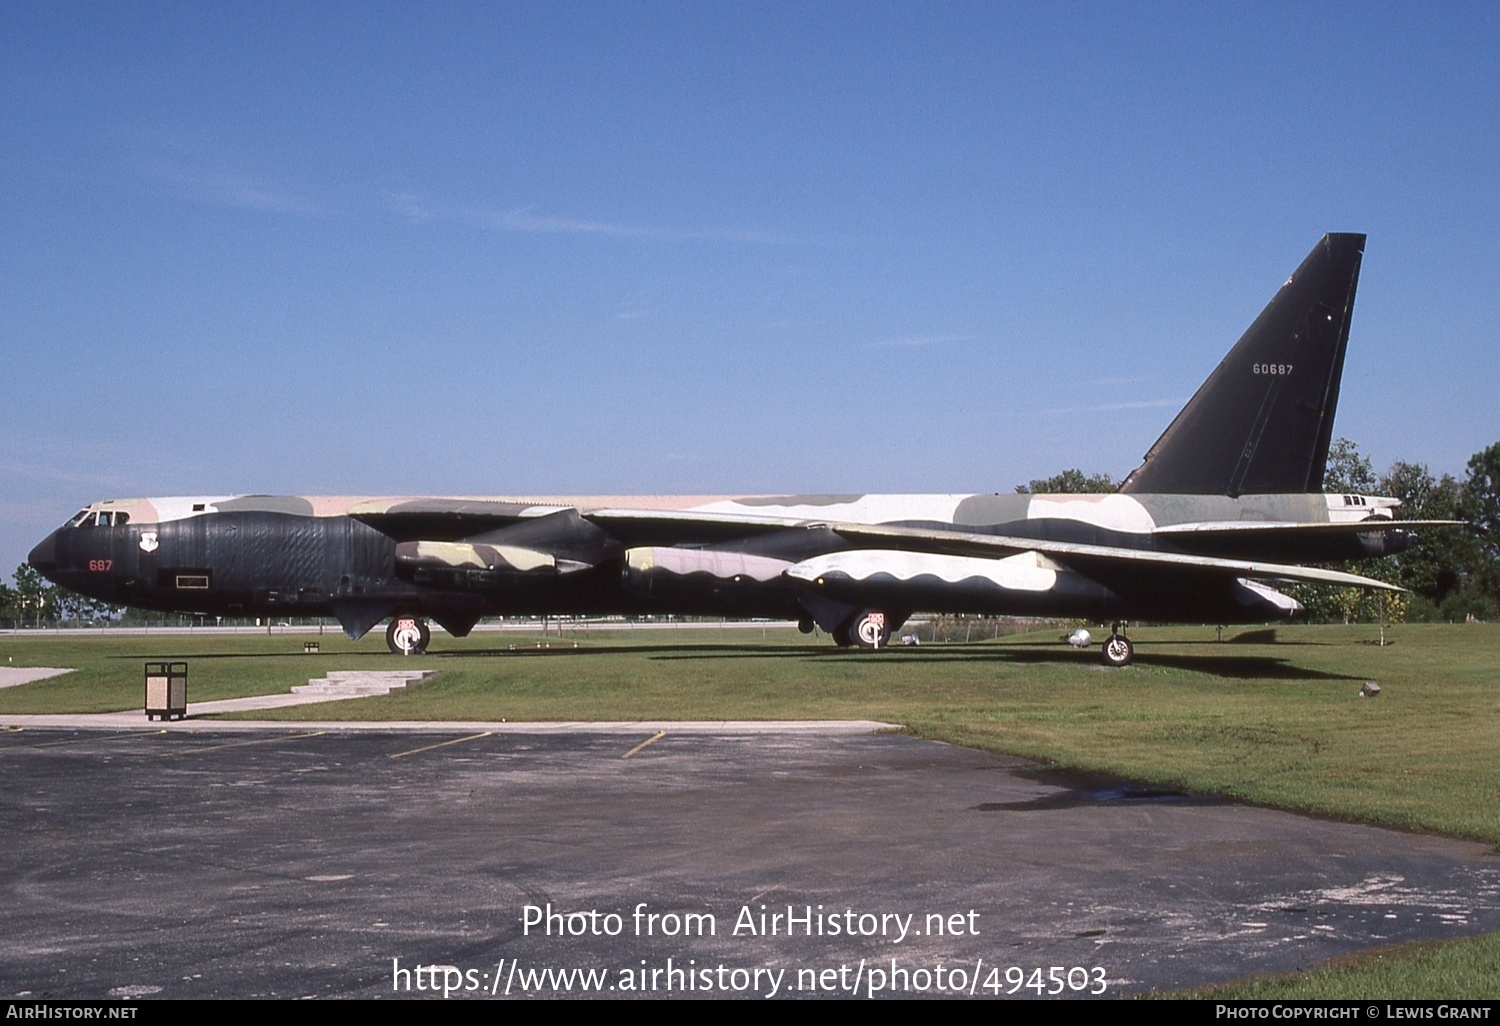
(586, 537)
(1096, 560)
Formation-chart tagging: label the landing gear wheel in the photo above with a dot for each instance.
(841, 636)
(806, 625)
(408, 635)
(870, 629)
(1118, 651)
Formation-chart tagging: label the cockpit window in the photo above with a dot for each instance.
(91, 518)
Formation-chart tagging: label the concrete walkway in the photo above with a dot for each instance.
(194, 723)
(336, 686)
(15, 676)
(343, 684)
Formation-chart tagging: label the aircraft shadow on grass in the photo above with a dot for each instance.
(1237, 665)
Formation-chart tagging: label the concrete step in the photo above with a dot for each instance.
(361, 683)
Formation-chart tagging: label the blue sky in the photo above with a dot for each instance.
(588, 248)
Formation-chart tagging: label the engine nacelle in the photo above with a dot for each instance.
(470, 565)
(1385, 543)
(665, 572)
(865, 575)
(1025, 584)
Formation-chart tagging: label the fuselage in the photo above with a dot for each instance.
(361, 559)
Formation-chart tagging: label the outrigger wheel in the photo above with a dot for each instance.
(408, 635)
(1118, 651)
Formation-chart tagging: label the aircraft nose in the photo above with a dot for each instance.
(44, 557)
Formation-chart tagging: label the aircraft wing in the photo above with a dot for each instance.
(434, 519)
(1087, 558)
(1083, 557)
(1294, 529)
(573, 537)
(1292, 542)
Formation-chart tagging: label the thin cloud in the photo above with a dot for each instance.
(916, 341)
(95, 463)
(191, 170)
(1108, 382)
(523, 220)
(238, 191)
(1144, 404)
(527, 220)
(41, 511)
(409, 207)
(59, 475)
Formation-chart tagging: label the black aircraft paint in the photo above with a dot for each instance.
(1263, 420)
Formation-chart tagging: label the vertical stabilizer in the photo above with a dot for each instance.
(1263, 419)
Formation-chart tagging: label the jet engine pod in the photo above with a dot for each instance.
(1385, 543)
(886, 578)
(710, 581)
(461, 565)
(663, 571)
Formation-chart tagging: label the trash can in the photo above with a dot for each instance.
(166, 690)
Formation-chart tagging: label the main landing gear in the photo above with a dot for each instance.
(408, 635)
(869, 629)
(1118, 651)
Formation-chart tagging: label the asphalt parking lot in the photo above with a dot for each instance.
(290, 862)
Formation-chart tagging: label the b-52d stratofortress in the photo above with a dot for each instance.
(1226, 504)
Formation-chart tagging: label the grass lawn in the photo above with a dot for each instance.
(1277, 722)
(1271, 720)
(1432, 971)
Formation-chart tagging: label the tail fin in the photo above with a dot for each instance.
(1263, 419)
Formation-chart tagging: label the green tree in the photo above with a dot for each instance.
(1347, 470)
(1348, 601)
(1481, 500)
(1433, 567)
(1069, 482)
(33, 594)
(1480, 506)
(1429, 569)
